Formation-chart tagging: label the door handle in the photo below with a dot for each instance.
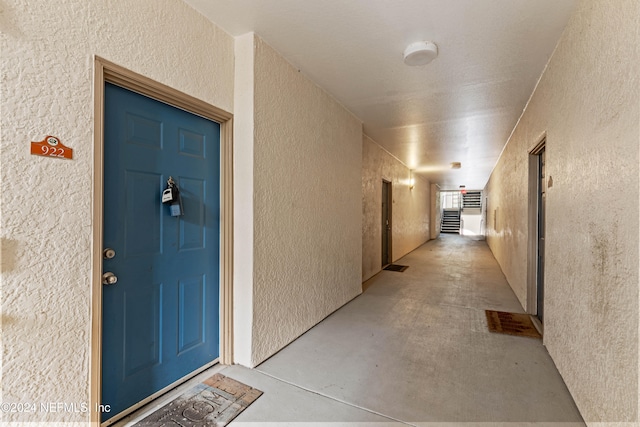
(109, 278)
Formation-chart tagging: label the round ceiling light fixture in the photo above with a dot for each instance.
(420, 53)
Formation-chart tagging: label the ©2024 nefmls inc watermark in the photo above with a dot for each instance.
(51, 407)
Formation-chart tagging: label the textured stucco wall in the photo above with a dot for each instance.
(307, 204)
(588, 104)
(410, 209)
(46, 77)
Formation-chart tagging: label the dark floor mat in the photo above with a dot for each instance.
(396, 267)
(511, 323)
(214, 402)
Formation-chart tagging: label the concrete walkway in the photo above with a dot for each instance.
(414, 349)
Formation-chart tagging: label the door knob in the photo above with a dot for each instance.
(109, 278)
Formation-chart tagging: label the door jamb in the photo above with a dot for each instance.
(106, 71)
(532, 255)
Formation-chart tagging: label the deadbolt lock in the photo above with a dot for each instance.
(108, 253)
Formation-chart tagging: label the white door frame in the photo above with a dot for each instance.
(106, 71)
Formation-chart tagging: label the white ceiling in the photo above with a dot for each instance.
(460, 108)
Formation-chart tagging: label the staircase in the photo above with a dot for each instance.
(472, 200)
(450, 221)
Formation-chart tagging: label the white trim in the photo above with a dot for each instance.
(540, 143)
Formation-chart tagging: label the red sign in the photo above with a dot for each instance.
(51, 146)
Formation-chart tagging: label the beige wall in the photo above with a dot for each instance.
(471, 225)
(306, 205)
(587, 102)
(436, 211)
(410, 208)
(46, 204)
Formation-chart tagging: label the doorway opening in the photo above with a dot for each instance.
(452, 204)
(386, 223)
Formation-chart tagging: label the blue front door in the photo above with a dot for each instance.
(161, 318)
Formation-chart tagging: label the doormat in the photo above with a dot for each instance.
(396, 267)
(512, 324)
(214, 402)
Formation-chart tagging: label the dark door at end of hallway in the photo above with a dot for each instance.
(386, 223)
(541, 233)
(160, 319)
